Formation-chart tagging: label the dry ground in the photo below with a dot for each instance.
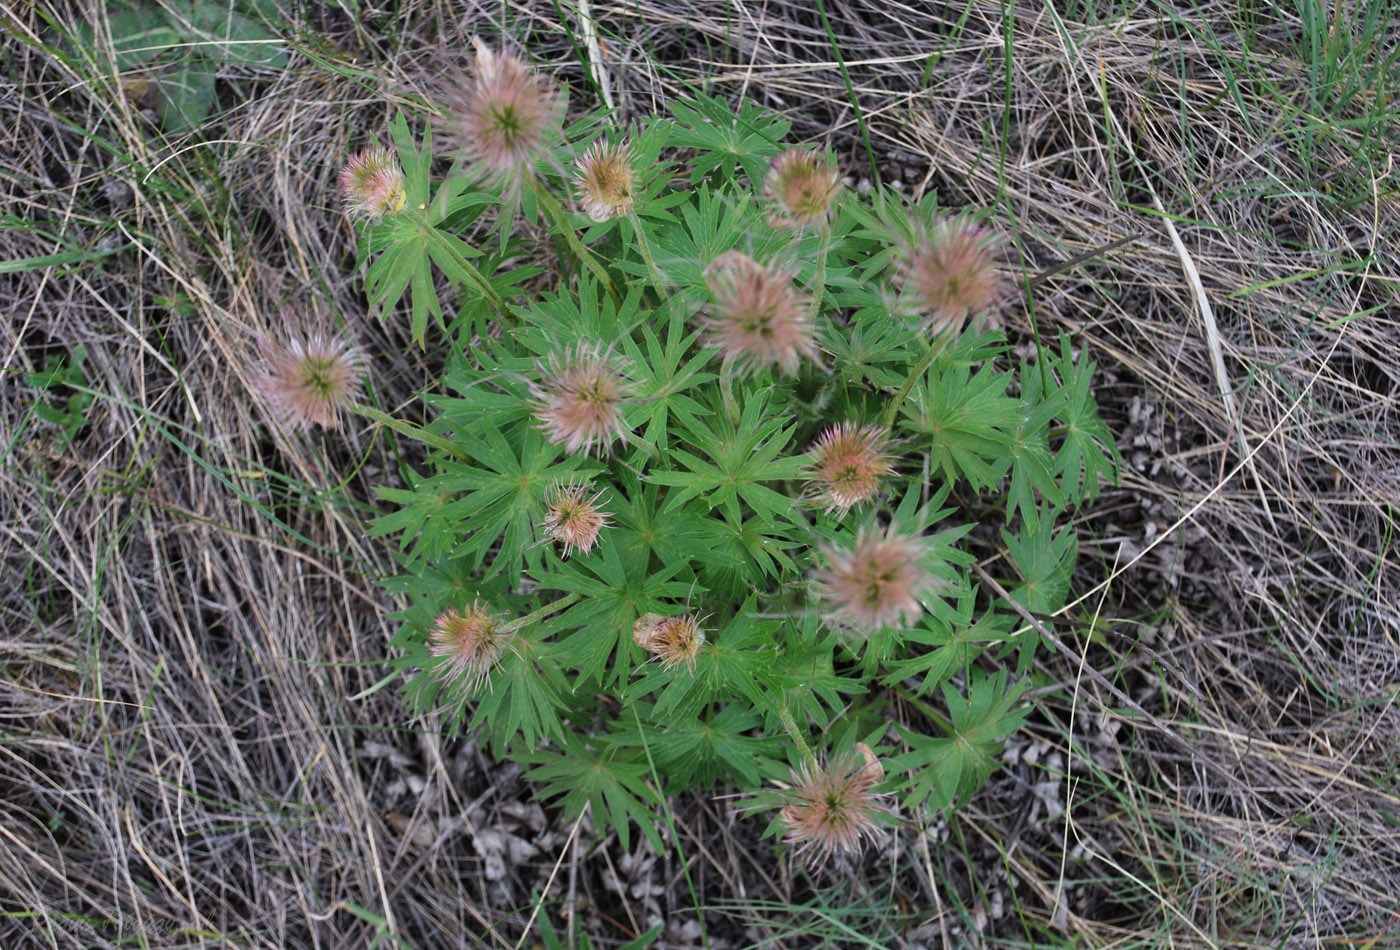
(196, 748)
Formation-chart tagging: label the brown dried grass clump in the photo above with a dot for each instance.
(195, 631)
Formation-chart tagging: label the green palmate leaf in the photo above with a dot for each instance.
(665, 377)
(423, 520)
(597, 631)
(497, 498)
(819, 695)
(969, 419)
(610, 782)
(1045, 560)
(726, 140)
(1033, 481)
(555, 322)
(736, 663)
(750, 555)
(877, 349)
(974, 347)
(698, 751)
(403, 265)
(743, 658)
(520, 706)
(454, 207)
(651, 535)
(680, 691)
(710, 225)
(947, 562)
(732, 461)
(408, 243)
(503, 495)
(946, 771)
(891, 220)
(409, 644)
(1087, 457)
(450, 254)
(492, 396)
(951, 647)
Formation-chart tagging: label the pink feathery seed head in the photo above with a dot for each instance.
(802, 186)
(949, 274)
(307, 381)
(573, 517)
(759, 319)
(506, 115)
(581, 400)
(834, 809)
(472, 641)
(372, 183)
(675, 641)
(847, 463)
(605, 180)
(874, 584)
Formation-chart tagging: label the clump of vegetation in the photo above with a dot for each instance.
(703, 459)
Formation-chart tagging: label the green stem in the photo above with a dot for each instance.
(466, 266)
(649, 448)
(645, 247)
(935, 349)
(568, 600)
(819, 282)
(790, 727)
(726, 392)
(555, 211)
(410, 430)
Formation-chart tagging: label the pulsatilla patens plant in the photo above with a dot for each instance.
(701, 472)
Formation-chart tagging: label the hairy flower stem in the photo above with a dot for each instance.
(649, 448)
(555, 211)
(726, 392)
(553, 607)
(430, 232)
(819, 281)
(410, 430)
(790, 727)
(644, 246)
(935, 349)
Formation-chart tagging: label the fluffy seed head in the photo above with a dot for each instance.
(875, 584)
(505, 116)
(573, 518)
(759, 319)
(372, 184)
(848, 462)
(306, 381)
(581, 400)
(606, 181)
(675, 641)
(802, 186)
(472, 641)
(834, 809)
(949, 274)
